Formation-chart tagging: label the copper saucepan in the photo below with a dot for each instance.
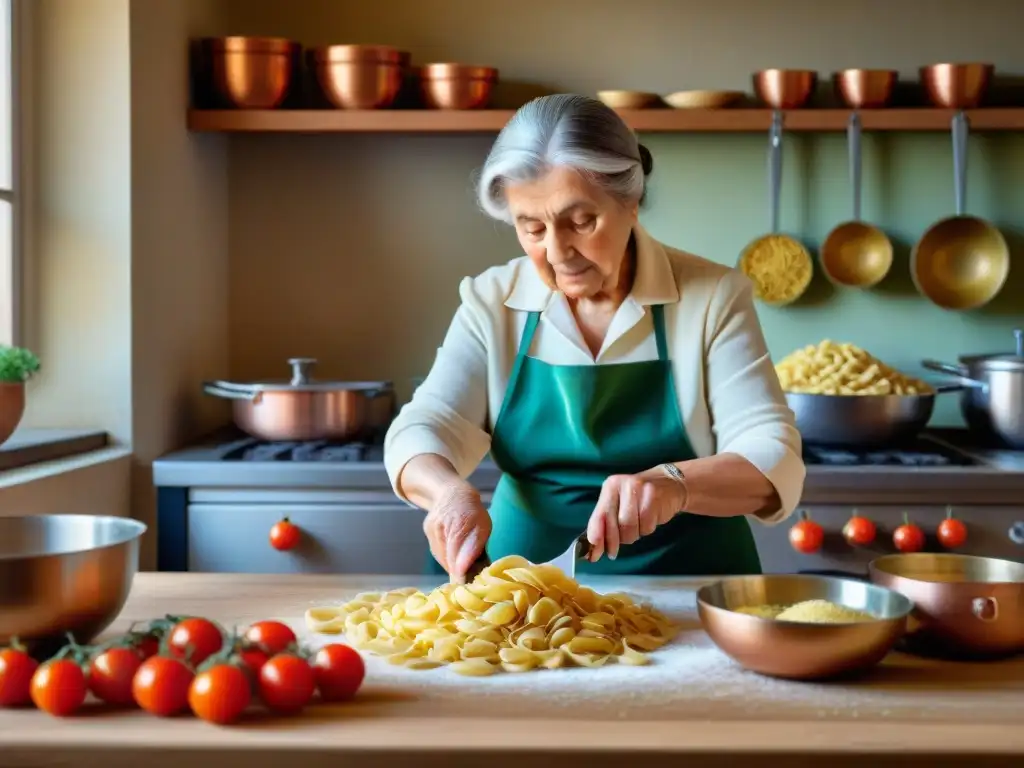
(965, 606)
(962, 261)
(303, 409)
(856, 254)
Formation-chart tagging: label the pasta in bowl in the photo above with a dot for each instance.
(513, 617)
(842, 395)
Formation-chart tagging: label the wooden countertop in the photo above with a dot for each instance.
(692, 701)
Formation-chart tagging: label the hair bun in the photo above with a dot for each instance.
(646, 161)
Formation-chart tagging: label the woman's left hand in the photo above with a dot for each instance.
(631, 506)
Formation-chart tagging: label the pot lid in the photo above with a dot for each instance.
(1001, 361)
(302, 381)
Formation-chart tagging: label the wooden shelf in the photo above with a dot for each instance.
(644, 120)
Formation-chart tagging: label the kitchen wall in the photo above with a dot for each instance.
(350, 248)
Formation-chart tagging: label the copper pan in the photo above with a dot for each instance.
(776, 248)
(965, 606)
(855, 253)
(795, 650)
(962, 261)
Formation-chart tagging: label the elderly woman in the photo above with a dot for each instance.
(623, 387)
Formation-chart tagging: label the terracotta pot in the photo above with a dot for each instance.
(12, 408)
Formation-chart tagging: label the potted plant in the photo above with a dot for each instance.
(17, 366)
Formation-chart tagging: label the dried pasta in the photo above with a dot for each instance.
(843, 369)
(779, 268)
(514, 616)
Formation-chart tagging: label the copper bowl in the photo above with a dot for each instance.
(252, 72)
(12, 408)
(360, 76)
(457, 86)
(965, 606)
(865, 88)
(796, 650)
(785, 88)
(957, 86)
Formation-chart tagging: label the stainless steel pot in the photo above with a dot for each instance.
(303, 409)
(992, 403)
(860, 421)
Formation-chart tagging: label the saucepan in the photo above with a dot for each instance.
(304, 409)
(64, 574)
(965, 606)
(993, 403)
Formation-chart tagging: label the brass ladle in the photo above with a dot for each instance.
(855, 253)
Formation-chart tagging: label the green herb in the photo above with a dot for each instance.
(16, 364)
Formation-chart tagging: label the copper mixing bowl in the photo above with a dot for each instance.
(360, 76)
(252, 72)
(785, 88)
(865, 88)
(960, 263)
(457, 86)
(957, 86)
(965, 606)
(796, 650)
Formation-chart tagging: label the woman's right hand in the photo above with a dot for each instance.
(457, 527)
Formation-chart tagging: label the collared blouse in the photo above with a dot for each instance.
(729, 395)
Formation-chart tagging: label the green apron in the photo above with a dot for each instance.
(563, 429)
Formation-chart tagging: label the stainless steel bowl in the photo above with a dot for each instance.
(64, 573)
(795, 650)
(862, 420)
(964, 606)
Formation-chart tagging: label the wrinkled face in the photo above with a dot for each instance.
(575, 233)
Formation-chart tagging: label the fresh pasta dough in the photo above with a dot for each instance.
(843, 369)
(778, 266)
(514, 616)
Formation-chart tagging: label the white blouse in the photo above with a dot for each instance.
(729, 396)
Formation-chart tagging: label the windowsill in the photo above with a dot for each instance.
(33, 454)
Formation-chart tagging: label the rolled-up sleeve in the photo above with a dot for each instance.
(447, 413)
(748, 408)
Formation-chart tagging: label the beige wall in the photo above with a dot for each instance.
(350, 248)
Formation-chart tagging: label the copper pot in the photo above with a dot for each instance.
(303, 409)
(965, 606)
(865, 88)
(785, 88)
(252, 72)
(957, 86)
(360, 76)
(12, 408)
(457, 86)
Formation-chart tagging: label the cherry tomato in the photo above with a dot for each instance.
(952, 533)
(220, 694)
(271, 636)
(287, 683)
(859, 531)
(147, 646)
(339, 671)
(806, 536)
(16, 671)
(59, 687)
(111, 674)
(161, 685)
(253, 659)
(908, 537)
(284, 535)
(194, 640)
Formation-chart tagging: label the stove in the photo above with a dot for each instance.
(305, 451)
(918, 453)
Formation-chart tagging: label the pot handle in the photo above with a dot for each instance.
(956, 371)
(217, 389)
(985, 609)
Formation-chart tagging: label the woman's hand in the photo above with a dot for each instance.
(457, 527)
(631, 506)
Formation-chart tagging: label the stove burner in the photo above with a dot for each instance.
(304, 451)
(919, 454)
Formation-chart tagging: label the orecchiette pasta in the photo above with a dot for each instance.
(514, 616)
(843, 369)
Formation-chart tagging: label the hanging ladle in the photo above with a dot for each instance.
(855, 253)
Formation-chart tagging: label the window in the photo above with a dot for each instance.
(9, 156)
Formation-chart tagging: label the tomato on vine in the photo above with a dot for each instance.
(271, 636)
(286, 683)
(194, 640)
(59, 687)
(161, 685)
(16, 671)
(220, 694)
(111, 674)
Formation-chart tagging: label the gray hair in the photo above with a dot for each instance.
(564, 130)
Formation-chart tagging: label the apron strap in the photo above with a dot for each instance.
(658, 316)
(532, 319)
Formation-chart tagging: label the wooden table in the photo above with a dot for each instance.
(692, 707)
